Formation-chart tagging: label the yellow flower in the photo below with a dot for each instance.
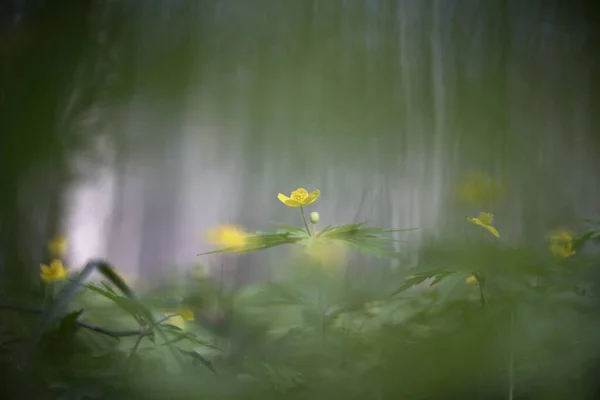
(485, 221)
(58, 247)
(479, 189)
(486, 218)
(299, 198)
(187, 314)
(373, 308)
(561, 237)
(54, 272)
(561, 244)
(471, 280)
(326, 251)
(229, 236)
(183, 314)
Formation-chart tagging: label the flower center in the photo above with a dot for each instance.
(486, 218)
(299, 195)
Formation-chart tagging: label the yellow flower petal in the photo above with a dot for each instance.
(292, 203)
(187, 314)
(54, 272)
(178, 321)
(287, 201)
(491, 230)
(61, 274)
(312, 197)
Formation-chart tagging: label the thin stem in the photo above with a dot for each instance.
(322, 311)
(304, 219)
(135, 347)
(511, 359)
(87, 325)
(481, 293)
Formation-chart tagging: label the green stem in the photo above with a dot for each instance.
(511, 360)
(322, 312)
(135, 347)
(87, 325)
(304, 219)
(481, 293)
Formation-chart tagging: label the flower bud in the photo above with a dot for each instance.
(314, 217)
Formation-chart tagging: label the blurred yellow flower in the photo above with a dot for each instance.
(186, 313)
(561, 244)
(229, 236)
(485, 221)
(326, 251)
(299, 198)
(373, 308)
(53, 272)
(486, 218)
(471, 280)
(479, 189)
(58, 247)
(183, 314)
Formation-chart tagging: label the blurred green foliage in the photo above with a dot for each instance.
(524, 328)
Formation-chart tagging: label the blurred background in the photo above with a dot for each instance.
(133, 126)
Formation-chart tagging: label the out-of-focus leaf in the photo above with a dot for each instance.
(57, 308)
(67, 328)
(198, 358)
(418, 277)
(125, 303)
(183, 335)
(583, 239)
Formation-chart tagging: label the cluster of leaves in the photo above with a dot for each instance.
(80, 359)
(471, 321)
(365, 240)
(355, 237)
(315, 335)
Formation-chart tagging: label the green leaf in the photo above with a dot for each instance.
(110, 273)
(583, 239)
(418, 278)
(438, 278)
(197, 357)
(56, 309)
(67, 328)
(324, 230)
(190, 337)
(262, 241)
(291, 228)
(124, 303)
(340, 232)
